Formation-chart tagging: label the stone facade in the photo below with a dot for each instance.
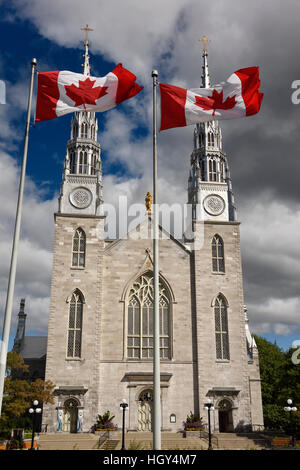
(104, 375)
(100, 334)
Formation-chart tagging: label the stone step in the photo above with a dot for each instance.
(140, 440)
(67, 438)
(240, 441)
(68, 442)
(110, 444)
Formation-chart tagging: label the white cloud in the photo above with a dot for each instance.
(35, 249)
(277, 316)
(271, 255)
(130, 31)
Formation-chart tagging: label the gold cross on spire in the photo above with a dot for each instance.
(204, 40)
(86, 29)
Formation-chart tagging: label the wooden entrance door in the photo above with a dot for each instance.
(225, 416)
(69, 422)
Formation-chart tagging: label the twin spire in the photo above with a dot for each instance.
(208, 161)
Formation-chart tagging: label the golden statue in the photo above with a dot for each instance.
(148, 200)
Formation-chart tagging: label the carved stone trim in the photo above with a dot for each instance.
(145, 377)
(81, 179)
(213, 186)
(81, 197)
(214, 204)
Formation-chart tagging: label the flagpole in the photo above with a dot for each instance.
(156, 338)
(14, 255)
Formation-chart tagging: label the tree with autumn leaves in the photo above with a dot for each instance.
(19, 393)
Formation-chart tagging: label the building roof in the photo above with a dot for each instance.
(33, 347)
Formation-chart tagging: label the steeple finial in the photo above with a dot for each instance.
(86, 64)
(204, 40)
(205, 74)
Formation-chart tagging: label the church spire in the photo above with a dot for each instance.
(21, 327)
(209, 166)
(82, 158)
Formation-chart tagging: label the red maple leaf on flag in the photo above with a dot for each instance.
(215, 101)
(84, 93)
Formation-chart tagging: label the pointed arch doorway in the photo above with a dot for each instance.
(70, 416)
(225, 416)
(145, 409)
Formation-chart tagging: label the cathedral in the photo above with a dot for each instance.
(100, 334)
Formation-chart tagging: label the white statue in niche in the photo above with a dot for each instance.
(59, 420)
(80, 420)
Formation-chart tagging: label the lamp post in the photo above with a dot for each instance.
(209, 407)
(123, 406)
(290, 409)
(34, 411)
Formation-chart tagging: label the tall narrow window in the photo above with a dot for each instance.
(75, 325)
(94, 164)
(221, 328)
(72, 163)
(222, 172)
(83, 163)
(84, 130)
(140, 320)
(75, 131)
(212, 168)
(79, 248)
(217, 248)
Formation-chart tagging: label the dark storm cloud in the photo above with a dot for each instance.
(263, 150)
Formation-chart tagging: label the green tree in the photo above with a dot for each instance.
(19, 393)
(271, 364)
(280, 380)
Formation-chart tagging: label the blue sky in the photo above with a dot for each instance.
(262, 150)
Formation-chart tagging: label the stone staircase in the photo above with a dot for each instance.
(143, 441)
(243, 441)
(68, 442)
(170, 441)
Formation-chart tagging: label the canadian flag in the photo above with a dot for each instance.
(62, 92)
(239, 96)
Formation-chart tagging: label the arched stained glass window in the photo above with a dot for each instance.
(79, 248)
(221, 328)
(75, 325)
(217, 248)
(140, 319)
